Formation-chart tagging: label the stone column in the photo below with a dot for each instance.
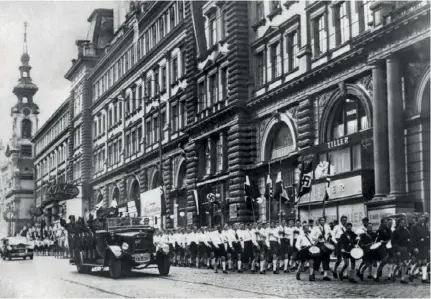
(380, 132)
(397, 169)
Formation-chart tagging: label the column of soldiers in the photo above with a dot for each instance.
(296, 247)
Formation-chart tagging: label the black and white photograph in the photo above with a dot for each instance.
(215, 149)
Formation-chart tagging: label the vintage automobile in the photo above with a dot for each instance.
(16, 247)
(125, 244)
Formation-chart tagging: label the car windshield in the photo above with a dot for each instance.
(17, 240)
(142, 221)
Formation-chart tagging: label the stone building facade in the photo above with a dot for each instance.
(253, 89)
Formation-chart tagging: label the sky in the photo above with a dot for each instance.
(53, 28)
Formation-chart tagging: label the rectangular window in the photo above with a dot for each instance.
(212, 32)
(223, 83)
(183, 63)
(163, 124)
(260, 69)
(213, 90)
(163, 85)
(340, 159)
(180, 10)
(219, 157)
(161, 28)
(172, 16)
(175, 69)
(275, 4)
(115, 113)
(183, 114)
(202, 96)
(110, 120)
(147, 41)
(154, 36)
(260, 11)
(223, 24)
(156, 129)
(365, 14)
(149, 133)
(148, 89)
(174, 110)
(319, 40)
(156, 82)
(292, 50)
(275, 61)
(341, 24)
(133, 142)
(127, 143)
(356, 157)
(138, 141)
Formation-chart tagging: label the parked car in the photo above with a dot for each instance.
(125, 244)
(16, 247)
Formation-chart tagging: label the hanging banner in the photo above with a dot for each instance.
(233, 211)
(151, 204)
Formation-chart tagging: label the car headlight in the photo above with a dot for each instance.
(124, 246)
(9, 248)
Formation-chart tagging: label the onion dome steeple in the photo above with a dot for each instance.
(25, 89)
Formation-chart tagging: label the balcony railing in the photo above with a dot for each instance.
(403, 8)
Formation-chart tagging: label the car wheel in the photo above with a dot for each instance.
(31, 257)
(115, 268)
(164, 265)
(24, 257)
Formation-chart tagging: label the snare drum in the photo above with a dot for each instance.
(378, 251)
(357, 253)
(328, 247)
(314, 251)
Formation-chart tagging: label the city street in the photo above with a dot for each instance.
(49, 277)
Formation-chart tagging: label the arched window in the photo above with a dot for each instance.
(182, 176)
(116, 195)
(281, 143)
(26, 128)
(135, 196)
(349, 118)
(155, 183)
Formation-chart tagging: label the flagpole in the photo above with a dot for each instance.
(269, 197)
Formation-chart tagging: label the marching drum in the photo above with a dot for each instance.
(378, 251)
(328, 247)
(314, 251)
(357, 253)
(389, 245)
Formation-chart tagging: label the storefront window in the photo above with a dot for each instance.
(349, 118)
(282, 143)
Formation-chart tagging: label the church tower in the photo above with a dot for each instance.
(25, 111)
(19, 198)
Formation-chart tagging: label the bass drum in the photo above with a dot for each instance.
(328, 247)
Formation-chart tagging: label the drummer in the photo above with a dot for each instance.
(401, 241)
(384, 234)
(365, 241)
(421, 247)
(338, 230)
(321, 233)
(303, 244)
(361, 230)
(347, 243)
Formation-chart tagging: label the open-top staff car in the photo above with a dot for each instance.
(16, 247)
(125, 244)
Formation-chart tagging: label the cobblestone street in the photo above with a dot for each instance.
(49, 277)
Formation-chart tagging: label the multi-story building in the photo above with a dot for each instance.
(137, 86)
(333, 81)
(234, 89)
(19, 195)
(51, 158)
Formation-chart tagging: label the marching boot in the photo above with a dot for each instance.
(274, 267)
(298, 275)
(262, 267)
(286, 265)
(239, 267)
